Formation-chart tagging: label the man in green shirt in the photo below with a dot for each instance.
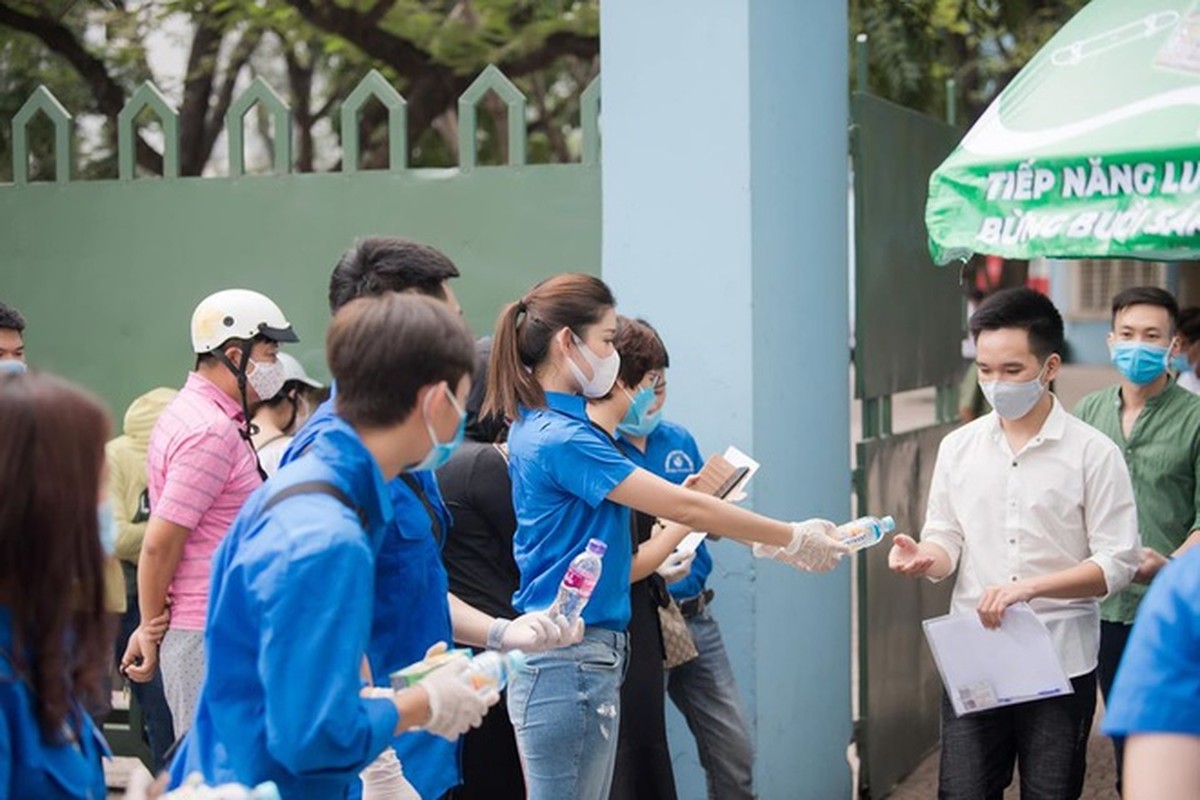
(1156, 424)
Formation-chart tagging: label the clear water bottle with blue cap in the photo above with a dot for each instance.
(865, 531)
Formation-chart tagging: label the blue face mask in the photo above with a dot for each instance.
(108, 528)
(12, 367)
(1181, 364)
(440, 453)
(1139, 362)
(638, 422)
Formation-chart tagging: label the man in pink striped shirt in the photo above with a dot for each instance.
(200, 469)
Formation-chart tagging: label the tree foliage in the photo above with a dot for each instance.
(92, 55)
(914, 46)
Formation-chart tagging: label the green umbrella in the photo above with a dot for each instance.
(1093, 150)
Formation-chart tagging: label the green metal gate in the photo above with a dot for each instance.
(908, 329)
(107, 272)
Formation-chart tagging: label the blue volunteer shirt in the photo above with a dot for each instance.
(412, 607)
(672, 454)
(33, 767)
(1157, 689)
(289, 617)
(562, 469)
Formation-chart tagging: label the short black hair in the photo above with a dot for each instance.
(379, 264)
(1147, 296)
(11, 319)
(383, 349)
(1026, 309)
(1189, 323)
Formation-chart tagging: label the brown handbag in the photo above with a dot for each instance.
(678, 645)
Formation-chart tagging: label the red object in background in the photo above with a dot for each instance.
(1038, 277)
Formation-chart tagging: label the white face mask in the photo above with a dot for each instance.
(266, 379)
(604, 370)
(1014, 400)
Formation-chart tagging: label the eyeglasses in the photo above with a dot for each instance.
(658, 380)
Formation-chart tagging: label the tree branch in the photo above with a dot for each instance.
(238, 60)
(360, 30)
(108, 94)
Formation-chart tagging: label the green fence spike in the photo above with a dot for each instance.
(862, 82)
(589, 113)
(42, 100)
(235, 124)
(491, 79)
(377, 86)
(147, 95)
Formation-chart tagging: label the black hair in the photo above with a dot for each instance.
(383, 349)
(1189, 323)
(11, 319)
(1028, 310)
(379, 264)
(1147, 296)
(480, 427)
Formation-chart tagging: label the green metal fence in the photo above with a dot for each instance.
(107, 272)
(908, 329)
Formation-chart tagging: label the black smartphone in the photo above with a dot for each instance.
(731, 482)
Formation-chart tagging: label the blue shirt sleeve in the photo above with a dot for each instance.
(588, 467)
(310, 662)
(1158, 684)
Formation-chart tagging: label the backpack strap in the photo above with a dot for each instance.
(435, 522)
(315, 487)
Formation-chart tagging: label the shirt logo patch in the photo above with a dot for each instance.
(678, 462)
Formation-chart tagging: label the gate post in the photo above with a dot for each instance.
(725, 224)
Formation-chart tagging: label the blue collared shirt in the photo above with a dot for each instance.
(32, 768)
(411, 604)
(563, 468)
(672, 454)
(289, 618)
(1157, 689)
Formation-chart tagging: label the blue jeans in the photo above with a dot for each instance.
(565, 709)
(704, 692)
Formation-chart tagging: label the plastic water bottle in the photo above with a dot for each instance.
(577, 585)
(492, 669)
(865, 531)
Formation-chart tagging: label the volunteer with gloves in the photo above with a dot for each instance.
(702, 689)
(291, 603)
(552, 350)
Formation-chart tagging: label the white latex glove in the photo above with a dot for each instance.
(537, 632)
(383, 779)
(455, 706)
(677, 567)
(813, 547)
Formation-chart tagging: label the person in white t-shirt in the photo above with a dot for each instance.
(1030, 505)
(277, 420)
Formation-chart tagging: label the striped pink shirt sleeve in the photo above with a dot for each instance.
(196, 475)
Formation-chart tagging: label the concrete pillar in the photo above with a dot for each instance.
(725, 214)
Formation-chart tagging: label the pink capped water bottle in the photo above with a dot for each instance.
(579, 582)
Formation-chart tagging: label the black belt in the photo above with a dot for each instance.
(697, 604)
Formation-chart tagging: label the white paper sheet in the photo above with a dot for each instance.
(983, 669)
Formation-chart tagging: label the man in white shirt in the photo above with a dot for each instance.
(1030, 505)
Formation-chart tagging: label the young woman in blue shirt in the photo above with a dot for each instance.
(553, 349)
(54, 642)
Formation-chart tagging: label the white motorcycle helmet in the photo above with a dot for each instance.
(237, 314)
